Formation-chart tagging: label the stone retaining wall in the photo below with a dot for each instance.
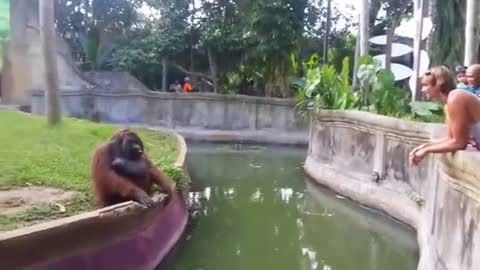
(349, 150)
(172, 110)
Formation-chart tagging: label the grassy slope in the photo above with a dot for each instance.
(33, 154)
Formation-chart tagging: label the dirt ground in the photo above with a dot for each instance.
(19, 199)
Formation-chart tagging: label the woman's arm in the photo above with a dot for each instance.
(458, 129)
(439, 141)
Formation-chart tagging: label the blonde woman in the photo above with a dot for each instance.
(462, 111)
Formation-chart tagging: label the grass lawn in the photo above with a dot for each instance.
(33, 154)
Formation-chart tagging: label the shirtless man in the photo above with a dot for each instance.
(473, 78)
(462, 111)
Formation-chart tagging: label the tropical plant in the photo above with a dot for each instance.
(326, 89)
(427, 111)
(379, 93)
(386, 98)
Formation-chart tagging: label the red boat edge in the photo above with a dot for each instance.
(124, 236)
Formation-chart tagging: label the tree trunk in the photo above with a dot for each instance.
(283, 81)
(327, 32)
(364, 27)
(48, 38)
(213, 69)
(471, 34)
(388, 46)
(192, 42)
(356, 60)
(164, 73)
(419, 14)
(432, 13)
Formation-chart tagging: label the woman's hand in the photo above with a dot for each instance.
(420, 147)
(417, 156)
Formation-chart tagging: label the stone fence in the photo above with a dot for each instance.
(172, 110)
(365, 157)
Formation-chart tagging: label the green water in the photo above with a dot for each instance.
(255, 210)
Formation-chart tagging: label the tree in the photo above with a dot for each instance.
(449, 21)
(395, 12)
(221, 33)
(48, 38)
(170, 36)
(145, 49)
(275, 28)
(91, 26)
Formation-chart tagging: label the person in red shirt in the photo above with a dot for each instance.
(187, 86)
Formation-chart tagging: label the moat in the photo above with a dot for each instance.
(253, 208)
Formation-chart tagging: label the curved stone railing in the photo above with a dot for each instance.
(124, 236)
(350, 150)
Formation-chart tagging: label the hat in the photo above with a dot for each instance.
(460, 69)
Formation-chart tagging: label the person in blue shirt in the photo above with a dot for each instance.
(462, 82)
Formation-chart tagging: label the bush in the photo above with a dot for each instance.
(325, 88)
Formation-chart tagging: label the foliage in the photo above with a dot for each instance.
(397, 10)
(4, 19)
(91, 26)
(379, 92)
(386, 98)
(197, 37)
(427, 111)
(327, 89)
(34, 154)
(141, 51)
(393, 12)
(449, 24)
(274, 29)
(220, 28)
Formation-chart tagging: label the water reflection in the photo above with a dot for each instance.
(253, 210)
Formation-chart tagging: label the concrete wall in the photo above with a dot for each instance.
(440, 199)
(173, 110)
(23, 68)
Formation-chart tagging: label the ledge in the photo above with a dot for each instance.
(442, 198)
(172, 96)
(373, 124)
(462, 172)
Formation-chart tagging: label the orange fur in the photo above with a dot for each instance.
(111, 188)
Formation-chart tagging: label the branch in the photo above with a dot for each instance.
(207, 82)
(192, 73)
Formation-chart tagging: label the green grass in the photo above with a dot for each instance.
(32, 153)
